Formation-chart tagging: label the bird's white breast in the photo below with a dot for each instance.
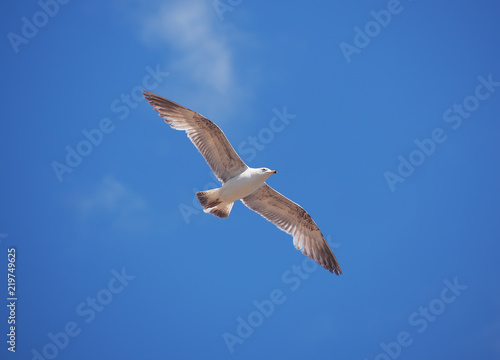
(242, 185)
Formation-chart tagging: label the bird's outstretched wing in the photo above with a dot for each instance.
(293, 219)
(205, 135)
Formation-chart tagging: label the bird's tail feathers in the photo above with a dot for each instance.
(212, 204)
(222, 210)
(208, 198)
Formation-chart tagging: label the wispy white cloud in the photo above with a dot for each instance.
(113, 211)
(111, 196)
(188, 27)
(199, 51)
(112, 203)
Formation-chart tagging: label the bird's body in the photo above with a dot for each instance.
(244, 184)
(240, 182)
(219, 202)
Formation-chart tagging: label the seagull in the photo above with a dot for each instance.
(240, 182)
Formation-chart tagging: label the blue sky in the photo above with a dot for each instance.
(391, 145)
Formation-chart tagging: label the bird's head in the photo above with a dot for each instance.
(268, 171)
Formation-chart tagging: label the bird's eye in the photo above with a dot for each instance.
(263, 169)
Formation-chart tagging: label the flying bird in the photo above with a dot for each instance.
(240, 182)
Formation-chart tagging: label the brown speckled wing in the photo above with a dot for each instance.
(294, 220)
(204, 134)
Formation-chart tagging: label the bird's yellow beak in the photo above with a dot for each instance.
(273, 172)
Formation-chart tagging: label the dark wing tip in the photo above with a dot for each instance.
(332, 267)
(147, 95)
(335, 267)
(336, 270)
(155, 100)
(163, 105)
